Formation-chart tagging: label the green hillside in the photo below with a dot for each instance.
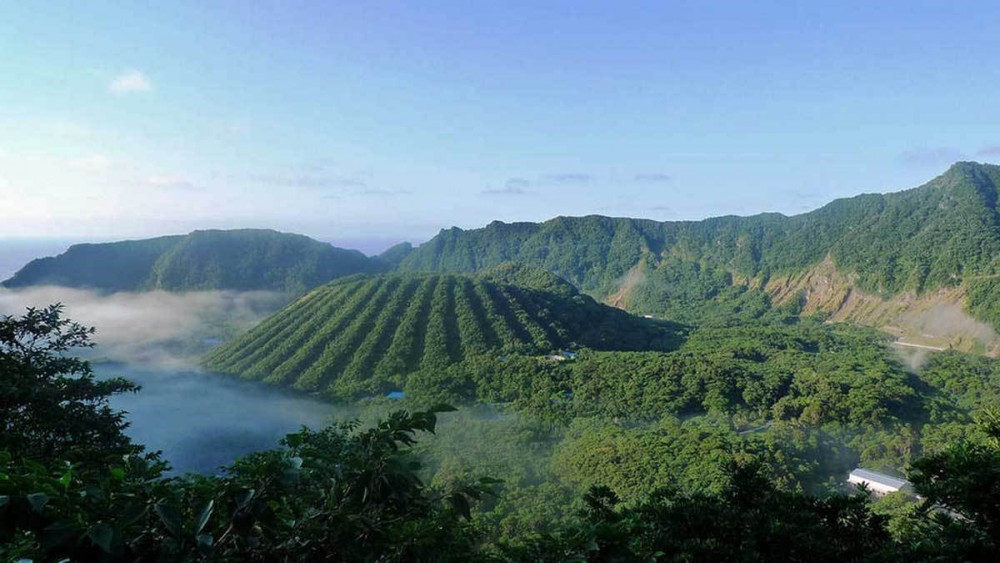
(114, 266)
(245, 259)
(938, 235)
(366, 334)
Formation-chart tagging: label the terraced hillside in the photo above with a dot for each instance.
(366, 334)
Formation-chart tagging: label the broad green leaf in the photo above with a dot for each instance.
(132, 514)
(57, 534)
(244, 498)
(202, 516)
(67, 476)
(171, 518)
(38, 501)
(289, 477)
(95, 492)
(461, 505)
(205, 543)
(102, 535)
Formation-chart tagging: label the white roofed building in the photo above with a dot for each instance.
(878, 483)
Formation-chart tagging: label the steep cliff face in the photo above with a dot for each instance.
(937, 319)
(932, 319)
(915, 240)
(882, 260)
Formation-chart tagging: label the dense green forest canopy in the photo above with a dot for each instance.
(587, 433)
(809, 399)
(675, 490)
(940, 234)
(246, 259)
(366, 335)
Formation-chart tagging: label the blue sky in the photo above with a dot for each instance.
(379, 121)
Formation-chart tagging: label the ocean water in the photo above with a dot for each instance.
(15, 253)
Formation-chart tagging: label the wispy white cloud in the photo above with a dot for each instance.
(130, 82)
(505, 191)
(299, 180)
(657, 178)
(512, 187)
(568, 178)
(92, 163)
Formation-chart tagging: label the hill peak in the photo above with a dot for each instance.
(978, 173)
(242, 259)
(965, 166)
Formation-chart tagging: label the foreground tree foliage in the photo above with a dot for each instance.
(72, 487)
(749, 520)
(51, 406)
(961, 489)
(339, 494)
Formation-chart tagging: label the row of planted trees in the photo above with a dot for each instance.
(73, 487)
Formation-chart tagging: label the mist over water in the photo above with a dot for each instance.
(154, 328)
(200, 421)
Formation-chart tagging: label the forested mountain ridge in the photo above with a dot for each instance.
(245, 259)
(944, 234)
(368, 334)
(883, 260)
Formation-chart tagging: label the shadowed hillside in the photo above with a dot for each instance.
(246, 259)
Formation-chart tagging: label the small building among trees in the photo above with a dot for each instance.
(878, 483)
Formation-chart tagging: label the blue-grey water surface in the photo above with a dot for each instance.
(201, 421)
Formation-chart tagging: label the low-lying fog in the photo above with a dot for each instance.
(155, 328)
(199, 420)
